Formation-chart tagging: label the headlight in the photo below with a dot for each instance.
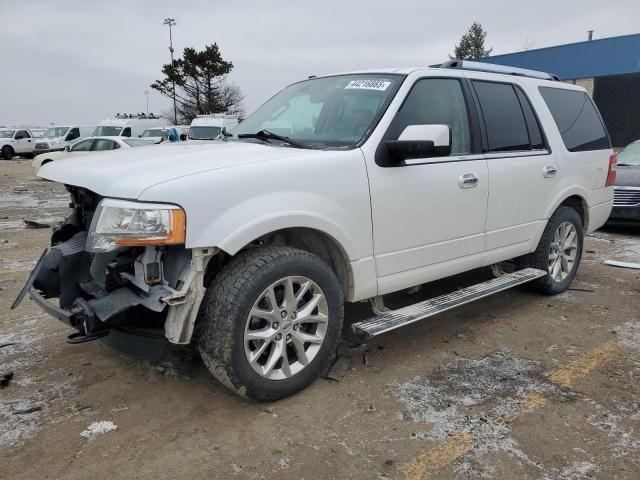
(122, 223)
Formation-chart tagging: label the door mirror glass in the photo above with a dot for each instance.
(420, 141)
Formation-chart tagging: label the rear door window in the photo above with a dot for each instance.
(535, 132)
(503, 117)
(104, 144)
(577, 119)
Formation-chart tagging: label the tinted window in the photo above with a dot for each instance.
(503, 117)
(126, 132)
(535, 133)
(103, 144)
(73, 134)
(83, 146)
(436, 101)
(577, 119)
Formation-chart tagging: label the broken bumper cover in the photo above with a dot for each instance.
(95, 306)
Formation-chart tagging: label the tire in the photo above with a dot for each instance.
(7, 152)
(543, 258)
(225, 328)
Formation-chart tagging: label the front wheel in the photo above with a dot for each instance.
(7, 152)
(559, 251)
(270, 322)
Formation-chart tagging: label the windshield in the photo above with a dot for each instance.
(6, 133)
(630, 155)
(137, 142)
(104, 131)
(156, 132)
(204, 133)
(55, 132)
(325, 112)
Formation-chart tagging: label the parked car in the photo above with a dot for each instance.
(127, 126)
(56, 139)
(89, 145)
(17, 141)
(211, 127)
(163, 134)
(626, 195)
(37, 132)
(339, 188)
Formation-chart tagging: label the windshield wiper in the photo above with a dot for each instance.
(625, 164)
(266, 135)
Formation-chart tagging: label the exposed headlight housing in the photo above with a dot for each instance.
(123, 223)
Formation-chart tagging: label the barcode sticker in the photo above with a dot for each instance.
(381, 85)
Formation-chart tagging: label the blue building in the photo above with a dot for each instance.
(609, 68)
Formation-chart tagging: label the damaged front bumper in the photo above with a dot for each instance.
(137, 289)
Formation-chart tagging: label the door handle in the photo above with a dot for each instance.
(549, 171)
(468, 180)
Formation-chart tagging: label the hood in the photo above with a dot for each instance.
(126, 173)
(627, 176)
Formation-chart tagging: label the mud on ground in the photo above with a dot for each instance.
(513, 386)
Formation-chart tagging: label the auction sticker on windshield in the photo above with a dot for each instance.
(369, 84)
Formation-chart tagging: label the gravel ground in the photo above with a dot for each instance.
(513, 386)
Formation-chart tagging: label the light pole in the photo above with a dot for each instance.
(172, 23)
(146, 93)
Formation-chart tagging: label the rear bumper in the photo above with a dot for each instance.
(598, 215)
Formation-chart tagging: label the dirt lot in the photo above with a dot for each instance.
(513, 386)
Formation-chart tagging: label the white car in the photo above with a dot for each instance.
(338, 189)
(211, 127)
(128, 126)
(14, 142)
(89, 145)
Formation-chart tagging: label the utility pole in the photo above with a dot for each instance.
(172, 23)
(146, 92)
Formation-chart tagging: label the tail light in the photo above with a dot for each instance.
(611, 176)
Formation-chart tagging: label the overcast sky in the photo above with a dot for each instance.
(83, 61)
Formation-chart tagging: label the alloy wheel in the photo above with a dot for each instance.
(286, 327)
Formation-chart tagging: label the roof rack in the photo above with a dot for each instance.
(494, 68)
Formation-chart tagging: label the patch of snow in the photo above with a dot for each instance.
(476, 396)
(628, 335)
(98, 428)
(576, 471)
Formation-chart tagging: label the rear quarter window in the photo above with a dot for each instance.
(577, 119)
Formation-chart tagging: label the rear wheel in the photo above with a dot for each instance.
(559, 251)
(270, 322)
(7, 152)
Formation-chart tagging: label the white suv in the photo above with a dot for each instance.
(339, 188)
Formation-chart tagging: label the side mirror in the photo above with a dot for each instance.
(67, 148)
(420, 141)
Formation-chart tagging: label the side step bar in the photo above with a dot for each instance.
(393, 319)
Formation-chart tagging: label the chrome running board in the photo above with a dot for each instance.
(393, 319)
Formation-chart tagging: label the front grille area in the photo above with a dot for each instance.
(626, 197)
(42, 146)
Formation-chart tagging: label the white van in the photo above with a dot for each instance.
(58, 137)
(211, 127)
(127, 126)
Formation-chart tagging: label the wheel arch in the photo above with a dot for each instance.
(575, 198)
(312, 240)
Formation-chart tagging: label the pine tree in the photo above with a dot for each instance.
(201, 86)
(471, 44)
